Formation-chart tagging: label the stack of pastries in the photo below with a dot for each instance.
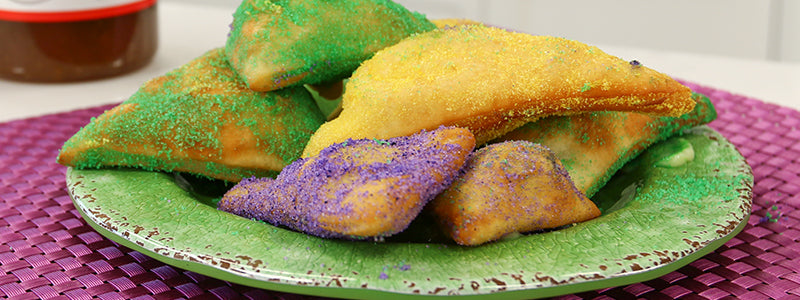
(491, 132)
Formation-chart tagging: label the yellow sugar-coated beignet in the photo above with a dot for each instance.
(491, 81)
(508, 188)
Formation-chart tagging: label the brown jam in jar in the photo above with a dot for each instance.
(79, 44)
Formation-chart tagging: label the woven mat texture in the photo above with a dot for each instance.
(47, 251)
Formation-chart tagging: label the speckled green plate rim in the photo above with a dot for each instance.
(658, 229)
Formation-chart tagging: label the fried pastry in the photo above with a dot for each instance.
(491, 81)
(507, 188)
(357, 189)
(594, 146)
(274, 44)
(199, 118)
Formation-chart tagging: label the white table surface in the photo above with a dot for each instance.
(189, 30)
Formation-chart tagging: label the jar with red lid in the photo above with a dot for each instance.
(74, 40)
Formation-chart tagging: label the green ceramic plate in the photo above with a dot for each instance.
(660, 213)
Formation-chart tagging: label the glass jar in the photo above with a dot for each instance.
(73, 40)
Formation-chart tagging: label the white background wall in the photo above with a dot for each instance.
(762, 30)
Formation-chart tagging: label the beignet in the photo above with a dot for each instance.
(506, 188)
(201, 119)
(491, 81)
(593, 146)
(274, 44)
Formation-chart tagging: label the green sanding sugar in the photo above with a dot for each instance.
(685, 189)
(586, 87)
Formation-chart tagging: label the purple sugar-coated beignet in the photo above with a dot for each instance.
(357, 189)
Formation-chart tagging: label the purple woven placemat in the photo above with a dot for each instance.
(47, 251)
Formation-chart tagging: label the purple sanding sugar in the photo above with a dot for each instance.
(317, 186)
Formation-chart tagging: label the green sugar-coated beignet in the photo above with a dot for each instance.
(199, 118)
(594, 146)
(274, 44)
